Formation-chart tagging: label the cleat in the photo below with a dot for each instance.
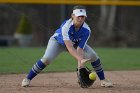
(106, 83)
(25, 82)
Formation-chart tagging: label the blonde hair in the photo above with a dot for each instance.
(79, 7)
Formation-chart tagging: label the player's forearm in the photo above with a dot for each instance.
(74, 53)
(80, 52)
(72, 50)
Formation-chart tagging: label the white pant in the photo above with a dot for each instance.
(54, 49)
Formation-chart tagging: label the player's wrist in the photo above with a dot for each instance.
(81, 63)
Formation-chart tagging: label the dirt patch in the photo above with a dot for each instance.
(124, 82)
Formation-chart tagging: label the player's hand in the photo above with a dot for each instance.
(82, 62)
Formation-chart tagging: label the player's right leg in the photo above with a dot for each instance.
(37, 68)
(53, 49)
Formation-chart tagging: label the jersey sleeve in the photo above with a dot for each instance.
(84, 39)
(65, 30)
(65, 34)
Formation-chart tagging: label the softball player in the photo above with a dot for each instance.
(72, 36)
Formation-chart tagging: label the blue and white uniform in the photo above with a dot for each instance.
(67, 31)
(56, 45)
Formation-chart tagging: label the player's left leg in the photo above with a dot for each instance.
(96, 64)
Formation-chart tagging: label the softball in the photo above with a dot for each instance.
(92, 76)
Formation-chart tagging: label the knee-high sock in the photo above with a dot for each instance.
(98, 69)
(37, 68)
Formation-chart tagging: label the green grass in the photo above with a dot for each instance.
(20, 60)
(120, 58)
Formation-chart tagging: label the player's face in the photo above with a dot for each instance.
(78, 20)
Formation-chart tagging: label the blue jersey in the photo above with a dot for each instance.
(67, 32)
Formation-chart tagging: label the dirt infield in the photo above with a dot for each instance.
(124, 82)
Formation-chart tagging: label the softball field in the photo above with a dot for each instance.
(66, 82)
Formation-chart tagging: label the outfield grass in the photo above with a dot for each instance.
(20, 60)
